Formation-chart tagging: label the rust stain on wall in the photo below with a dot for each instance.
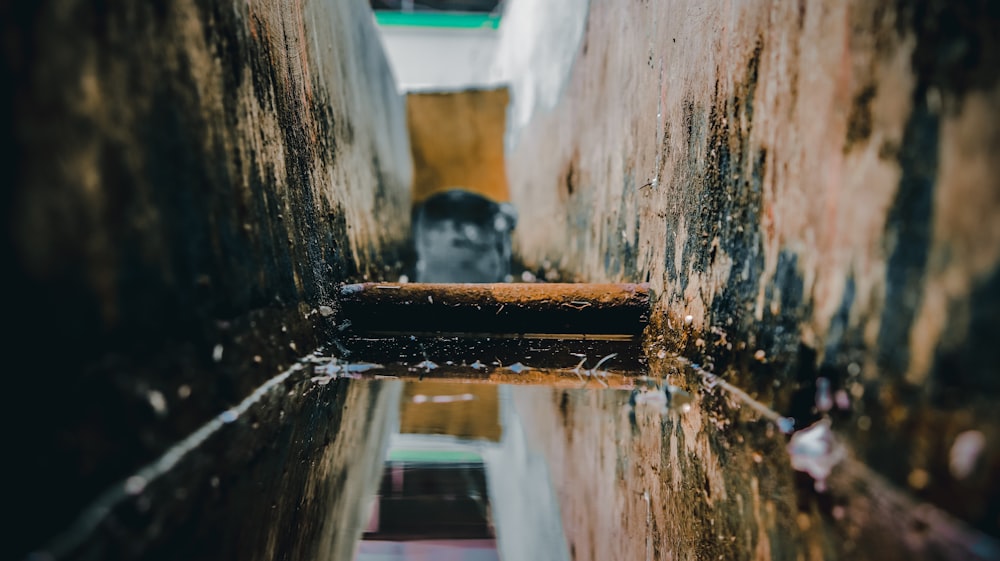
(810, 190)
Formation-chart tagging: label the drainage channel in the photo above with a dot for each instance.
(460, 477)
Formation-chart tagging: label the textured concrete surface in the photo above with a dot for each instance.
(288, 478)
(811, 189)
(185, 184)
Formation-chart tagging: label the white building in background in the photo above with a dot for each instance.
(438, 45)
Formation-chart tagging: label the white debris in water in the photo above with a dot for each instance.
(964, 454)
(217, 353)
(452, 398)
(325, 311)
(527, 276)
(421, 398)
(688, 320)
(335, 368)
(517, 368)
(760, 355)
(403, 279)
(679, 399)
(786, 425)
(135, 484)
(157, 401)
(228, 416)
(815, 450)
(184, 391)
(842, 400)
(824, 401)
(427, 365)
(477, 365)
(602, 361)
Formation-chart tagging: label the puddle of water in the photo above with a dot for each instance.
(464, 478)
(460, 480)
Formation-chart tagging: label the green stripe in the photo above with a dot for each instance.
(443, 456)
(461, 20)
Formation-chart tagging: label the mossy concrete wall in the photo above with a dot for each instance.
(185, 183)
(813, 190)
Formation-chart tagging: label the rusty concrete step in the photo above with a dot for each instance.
(543, 309)
(496, 332)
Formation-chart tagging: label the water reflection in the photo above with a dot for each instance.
(459, 481)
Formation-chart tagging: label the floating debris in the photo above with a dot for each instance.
(815, 450)
(842, 400)
(824, 401)
(427, 365)
(158, 402)
(592, 372)
(135, 484)
(965, 452)
(517, 368)
(421, 398)
(477, 365)
(338, 369)
(217, 353)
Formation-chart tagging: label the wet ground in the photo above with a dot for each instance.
(565, 432)
(580, 450)
(585, 456)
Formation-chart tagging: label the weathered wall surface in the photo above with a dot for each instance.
(185, 183)
(816, 186)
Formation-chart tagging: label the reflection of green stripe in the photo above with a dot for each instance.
(438, 19)
(443, 456)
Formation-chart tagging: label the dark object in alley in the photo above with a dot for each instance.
(519, 308)
(462, 236)
(462, 215)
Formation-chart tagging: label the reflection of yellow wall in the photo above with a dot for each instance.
(457, 141)
(478, 418)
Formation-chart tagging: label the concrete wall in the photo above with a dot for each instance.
(185, 185)
(816, 186)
